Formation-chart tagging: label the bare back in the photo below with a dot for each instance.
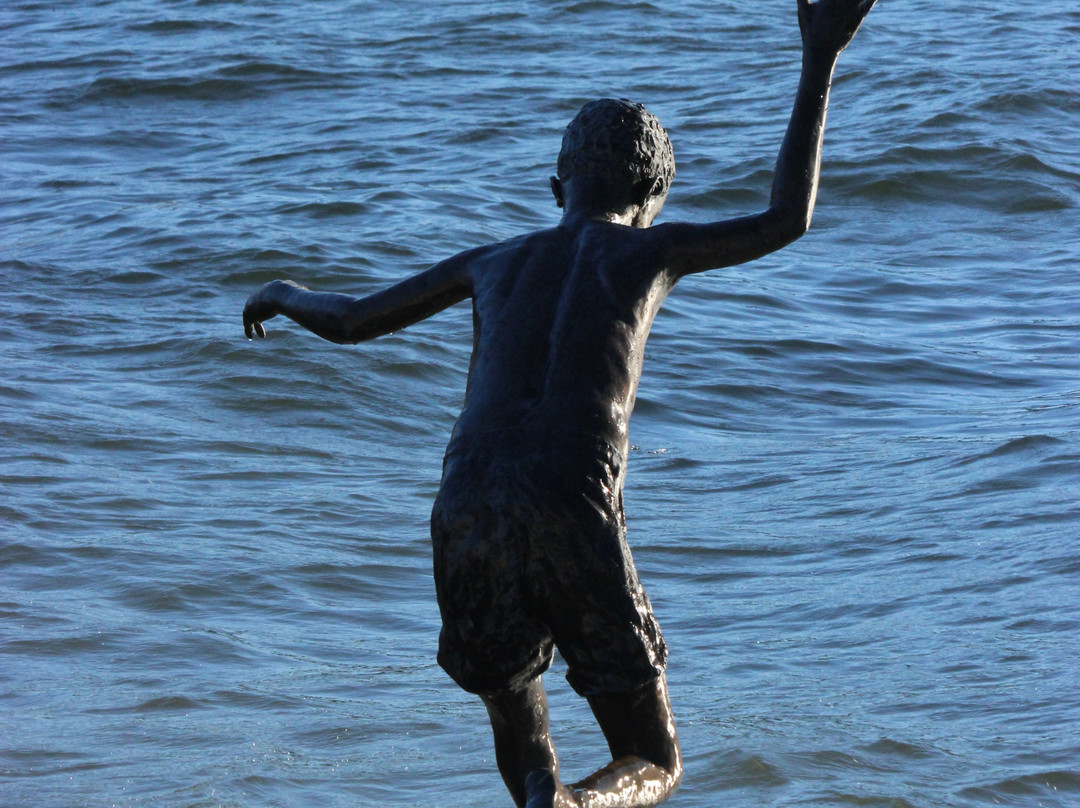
(560, 319)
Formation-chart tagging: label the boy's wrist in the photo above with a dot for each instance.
(820, 56)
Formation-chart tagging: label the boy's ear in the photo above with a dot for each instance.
(649, 187)
(557, 190)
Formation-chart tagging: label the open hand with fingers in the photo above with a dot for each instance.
(829, 25)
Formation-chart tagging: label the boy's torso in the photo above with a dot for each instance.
(560, 319)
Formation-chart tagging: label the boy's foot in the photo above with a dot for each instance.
(540, 789)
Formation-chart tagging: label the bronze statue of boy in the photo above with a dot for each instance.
(528, 528)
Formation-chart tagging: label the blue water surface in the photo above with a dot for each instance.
(854, 490)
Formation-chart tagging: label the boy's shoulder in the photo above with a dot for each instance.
(613, 255)
(629, 256)
(591, 234)
(514, 250)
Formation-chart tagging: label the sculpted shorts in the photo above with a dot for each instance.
(530, 550)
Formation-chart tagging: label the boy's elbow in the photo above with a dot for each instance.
(354, 336)
(342, 331)
(365, 329)
(789, 225)
(800, 224)
(358, 324)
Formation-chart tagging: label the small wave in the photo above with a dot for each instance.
(1050, 785)
(66, 184)
(1040, 100)
(29, 555)
(62, 646)
(278, 157)
(17, 393)
(908, 371)
(48, 762)
(138, 278)
(890, 748)
(179, 88)
(156, 598)
(1008, 177)
(322, 210)
(254, 700)
(946, 121)
(833, 759)
(809, 346)
(167, 704)
(1017, 446)
(870, 802)
(24, 268)
(331, 737)
(593, 6)
(182, 26)
(1025, 444)
(246, 80)
(740, 769)
(80, 61)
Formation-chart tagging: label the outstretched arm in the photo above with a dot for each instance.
(827, 27)
(347, 319)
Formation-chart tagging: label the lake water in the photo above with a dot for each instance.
(855, 490)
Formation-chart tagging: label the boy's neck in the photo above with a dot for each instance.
(584, 198)
(576, 213)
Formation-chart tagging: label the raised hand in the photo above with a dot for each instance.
(829, 25)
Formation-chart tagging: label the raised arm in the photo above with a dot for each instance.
(347, 319)
(827, 27)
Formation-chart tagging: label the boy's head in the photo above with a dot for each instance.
(619, 142)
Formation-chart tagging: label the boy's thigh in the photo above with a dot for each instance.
(490, 640)
(594, 603)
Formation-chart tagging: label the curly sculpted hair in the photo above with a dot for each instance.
(619, 139)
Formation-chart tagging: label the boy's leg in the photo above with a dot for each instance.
(646, 762)
(519, 722)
